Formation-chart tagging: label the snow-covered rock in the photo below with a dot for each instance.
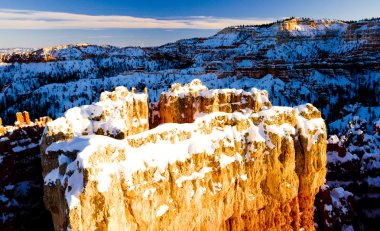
(223, 168)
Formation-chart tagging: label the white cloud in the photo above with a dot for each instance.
(100, 37)
(28, 19)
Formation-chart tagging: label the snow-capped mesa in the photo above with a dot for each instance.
(214, 145)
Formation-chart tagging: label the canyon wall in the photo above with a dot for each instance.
(315, 59)
(257, 168)
(21, 190)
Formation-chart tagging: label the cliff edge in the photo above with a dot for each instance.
(255, 167)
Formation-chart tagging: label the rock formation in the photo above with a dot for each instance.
(256, 168)
(335, 209)
(353, 171)
(118, 114)
(326, 62)
(183, 104)
(21, 203)
(2, 130)
(316, 60)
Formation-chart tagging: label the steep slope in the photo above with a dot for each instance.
(257, 167)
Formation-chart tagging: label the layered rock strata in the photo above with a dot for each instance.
(257, 169)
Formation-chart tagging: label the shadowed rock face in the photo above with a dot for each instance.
(21, 190)
(254, 168)
(352, 197)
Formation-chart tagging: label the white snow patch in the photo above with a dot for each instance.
(162, 210)
(195, 175)
(243, 177)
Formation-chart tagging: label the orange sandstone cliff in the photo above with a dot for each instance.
(252, 166)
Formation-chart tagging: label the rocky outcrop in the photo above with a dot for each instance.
(257, 168)
(118, 114)
(21, 191)
(183, 104)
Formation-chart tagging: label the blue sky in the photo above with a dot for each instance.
(40, 23)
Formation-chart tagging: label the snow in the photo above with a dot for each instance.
(282, 130)
(74, 189)
(328, 208)
(364, 113)
(81, 120)
(333, 139)
(377, 124)
(245, 63)
(232, 47)
(373, 181)
(103, 178)
(195, 175)
(46, 82)
(338, 195)
(160, 153)
(63, 159)
(3, 198)
(333, 157)
(75, 180)
(9, 187)
(325, 187)
(348, 228)
(226, 160)
(162, 210)
(254, 134)
(307, 126)
(220, 40)
(203, 145)
(335, 183)
(148, 192)
(371, 161)
(23, 148)
(52, 177)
